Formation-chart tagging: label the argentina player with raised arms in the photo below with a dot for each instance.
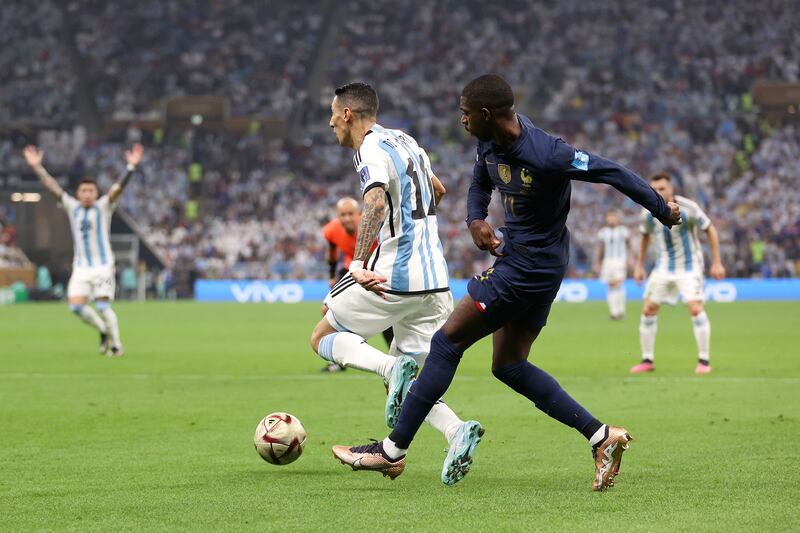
(532, 170)
(403, 284)
(92, 276)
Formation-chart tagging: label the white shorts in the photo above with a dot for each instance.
(664, 287)
(414, 319)
(92, 283)
(613, 270)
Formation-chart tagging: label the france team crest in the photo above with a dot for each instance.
(505, 173)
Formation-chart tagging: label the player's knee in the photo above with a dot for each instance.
(650, 309)
(76, 308)
(442, 346)
(314, 341)
(316, 337)
(695, 308)
(505, 370)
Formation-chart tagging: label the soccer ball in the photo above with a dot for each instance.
(280, 438)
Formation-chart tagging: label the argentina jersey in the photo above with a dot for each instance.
(409, 253)
(615, 242)
(678, 247)
(91, 231)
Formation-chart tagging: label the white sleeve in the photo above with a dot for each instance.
(702, 219)
(372, 165)
(69, 203)
(105, 205)
(600, 235)
(626, 233)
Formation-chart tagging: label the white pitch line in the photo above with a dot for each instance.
(365, 376)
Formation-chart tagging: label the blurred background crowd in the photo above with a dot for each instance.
(656, 85)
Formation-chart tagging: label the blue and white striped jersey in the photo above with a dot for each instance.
(409, 254)
(678, 247)
(615, 242)
(91, 231)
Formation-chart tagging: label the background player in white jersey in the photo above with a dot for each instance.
(611, 262)
(678, 270)
(405, 282)
(93, 261)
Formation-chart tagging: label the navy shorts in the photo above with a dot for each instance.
(520, 286)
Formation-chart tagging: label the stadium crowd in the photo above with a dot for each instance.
(656, 85)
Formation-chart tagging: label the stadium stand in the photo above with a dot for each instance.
(656, 85)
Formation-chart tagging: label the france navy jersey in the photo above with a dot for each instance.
(409, 254)
(534, 176)
(679, 249)
(615, 242)
(91, 231)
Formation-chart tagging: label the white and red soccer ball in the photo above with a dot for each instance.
(280, 438)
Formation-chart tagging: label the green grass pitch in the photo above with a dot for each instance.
(162, 438)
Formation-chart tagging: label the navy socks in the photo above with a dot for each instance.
(545, 392)
(433, 381)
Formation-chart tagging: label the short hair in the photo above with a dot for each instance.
(490, 91)
(360, 97)
(89, 181)
(661, 176)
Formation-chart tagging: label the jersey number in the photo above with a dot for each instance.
(419, 211)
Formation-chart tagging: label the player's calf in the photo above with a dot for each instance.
(89, 316)
(112, 326)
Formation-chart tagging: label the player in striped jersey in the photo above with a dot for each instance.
(93, 260)
(404, 284)
(611, 263)
(341, 234)
(678, 270)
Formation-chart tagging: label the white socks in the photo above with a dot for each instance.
(702, 334)
(352, 351)
(111, 325)
(599, 435)
(442, 418)
(90, 316)
(391, 449)
(647, 336)
(616, 300)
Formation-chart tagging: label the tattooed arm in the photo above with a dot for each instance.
(371, 219)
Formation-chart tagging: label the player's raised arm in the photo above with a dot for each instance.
(132, 157)
(478, 198)
(34, 158)
(595, 169)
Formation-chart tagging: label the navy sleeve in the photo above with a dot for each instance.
(578, 165)
(480, 192)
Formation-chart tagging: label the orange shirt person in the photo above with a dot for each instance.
(341, 234)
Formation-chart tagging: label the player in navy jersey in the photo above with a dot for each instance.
(532, 170)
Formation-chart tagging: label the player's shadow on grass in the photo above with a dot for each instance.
(273, 475)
